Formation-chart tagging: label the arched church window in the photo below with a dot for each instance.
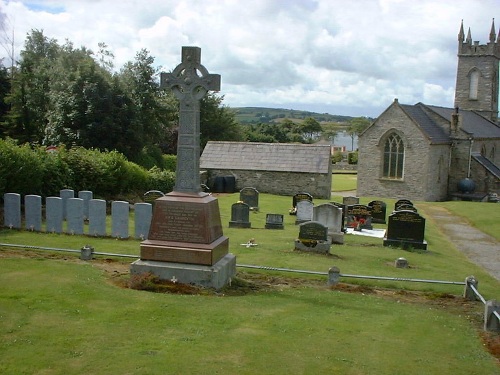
(394, 154)
(473, 84)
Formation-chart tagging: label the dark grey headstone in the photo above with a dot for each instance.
(312, 231)
(274, 221)
(12, 210)
(119, 219)
(358, 216)
(250, 196)
(54, 215)
(301, 197)
(152, 195)
(33, 212)
(401, 202)
(97, 217)
(379, 211)
(406, 207)
(240, 216)
(143, 212)
(74, 212)
(406, 229)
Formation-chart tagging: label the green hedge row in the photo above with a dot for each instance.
(34, 170)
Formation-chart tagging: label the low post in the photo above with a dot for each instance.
(469, 293)
(491, 322)
(333, 276)
(86, 252)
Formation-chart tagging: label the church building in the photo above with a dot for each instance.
(430, 153)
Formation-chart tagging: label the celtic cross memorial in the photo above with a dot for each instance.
(185, 241)
(190, 82)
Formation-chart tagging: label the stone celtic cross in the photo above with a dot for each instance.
(190, 82)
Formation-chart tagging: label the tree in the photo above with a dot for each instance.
(356, 126)
(217, 122)
(310, 129)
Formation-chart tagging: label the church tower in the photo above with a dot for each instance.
(477, 85)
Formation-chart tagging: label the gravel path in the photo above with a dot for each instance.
(479, 247)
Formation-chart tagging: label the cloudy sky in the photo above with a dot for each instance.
(347, 57)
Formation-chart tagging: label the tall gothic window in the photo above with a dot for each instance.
(394, 154)
(473, 84)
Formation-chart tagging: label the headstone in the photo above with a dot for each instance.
(379, 211)
(240, 215)
(406, 229)
(74, 218)
(304, 211)
(331, 217)
(358, 216)
(343, 208)
(12, 210)
(400, 202)
(350, 201)
(250, 196)
(301, 197)
(274, 221)
(97, 217)
(406, 207)
(86, 195)
(152, 195)
(119, 219)
(33, 212)
(54, 214)
(66, 194)
(401, 263)
(143, 212)
(185, 240)
(313, 236)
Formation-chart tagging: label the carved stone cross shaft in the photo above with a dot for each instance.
(190, 82)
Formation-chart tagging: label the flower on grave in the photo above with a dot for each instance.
(359, 221)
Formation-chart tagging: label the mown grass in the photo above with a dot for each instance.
(344, 181)
(60, 317)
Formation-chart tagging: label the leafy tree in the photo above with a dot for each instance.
(29, 98)
(356, 126)
(217, 122)
(310, 129)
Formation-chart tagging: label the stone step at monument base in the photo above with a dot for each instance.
(216, 276)
(405, 245)
(185, 252)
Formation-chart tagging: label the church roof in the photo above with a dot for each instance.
(283, 157)
(472, 122)
(486, 163)
(435, 133)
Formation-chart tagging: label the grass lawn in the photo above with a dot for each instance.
(344, 181)
(60, 315)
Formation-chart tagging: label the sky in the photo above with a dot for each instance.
(343, 57)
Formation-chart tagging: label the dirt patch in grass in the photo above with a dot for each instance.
(117, 272)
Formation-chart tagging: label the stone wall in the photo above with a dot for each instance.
(421, 170)
(280, 183)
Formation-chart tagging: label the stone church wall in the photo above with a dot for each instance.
(279, 183)
(417, 169)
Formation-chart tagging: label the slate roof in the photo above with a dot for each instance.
(432, 130)
(278, 157)
(492, 168)
(474, 124)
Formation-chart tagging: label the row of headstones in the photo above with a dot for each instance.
(76, 211)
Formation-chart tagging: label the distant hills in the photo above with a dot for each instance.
(257, 115)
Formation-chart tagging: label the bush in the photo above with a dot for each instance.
(337, 157)
(352, 157)
(169, 162)
(21, 170)
(162, 180)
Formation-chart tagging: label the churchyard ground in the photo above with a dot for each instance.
(63, 315)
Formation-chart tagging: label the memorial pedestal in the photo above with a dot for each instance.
(186, 242)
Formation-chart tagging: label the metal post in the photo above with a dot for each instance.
(470, 285)
(491, 316)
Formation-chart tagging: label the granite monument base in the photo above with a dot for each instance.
(405, 245)
(336, 238)
(215, 276)
(321, 247)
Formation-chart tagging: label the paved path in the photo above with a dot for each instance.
(479, 247)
